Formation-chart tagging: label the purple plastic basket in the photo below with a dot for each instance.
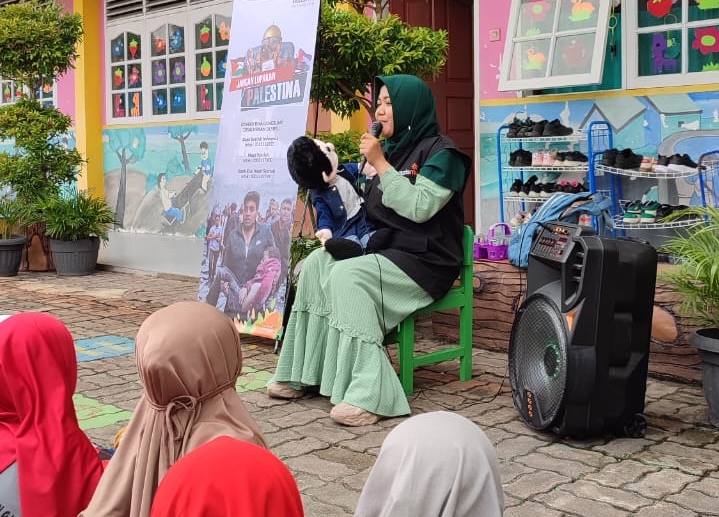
(498, 251)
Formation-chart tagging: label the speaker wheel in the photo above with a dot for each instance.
(636, 427)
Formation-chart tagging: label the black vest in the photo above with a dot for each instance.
(431, 252)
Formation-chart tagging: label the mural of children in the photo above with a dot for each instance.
(206, 166)
(214, 238)
(166, 197)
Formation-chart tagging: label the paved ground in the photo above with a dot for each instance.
(672, 471)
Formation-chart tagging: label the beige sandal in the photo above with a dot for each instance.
(347, 414)
(283, 390)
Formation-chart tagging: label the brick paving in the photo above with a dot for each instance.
(672, 471)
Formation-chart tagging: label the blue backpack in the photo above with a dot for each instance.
(562, 207)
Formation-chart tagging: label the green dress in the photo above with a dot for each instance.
(334, 338)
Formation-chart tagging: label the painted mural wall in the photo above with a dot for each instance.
(650, 125)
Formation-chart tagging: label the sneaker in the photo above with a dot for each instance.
(535, 189)
(662, 164)
(609, 157)
(649, 212)
(575, 159)
(647, 164)
(663, 211)
(516, 187)
(549, 158)
(555, 128)
(537, 129)
(537, 158)
(525, 129)
(560, 159)
(513, 158)
(523, 158)
(632, 213)
(514, 128)
(682, 163)
(627, 159)
(547, 190)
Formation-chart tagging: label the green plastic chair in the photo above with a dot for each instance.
(459, 296)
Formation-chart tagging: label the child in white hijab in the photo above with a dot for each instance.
(437, 464)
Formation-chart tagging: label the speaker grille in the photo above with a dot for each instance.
(538, 361)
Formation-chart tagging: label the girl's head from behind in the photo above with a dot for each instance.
(188, 349)
(228, 477)
(37, 352)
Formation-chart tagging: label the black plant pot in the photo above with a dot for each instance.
(707, 342)
(11, 254)
(75, 258)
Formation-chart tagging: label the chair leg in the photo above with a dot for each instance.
(465, 342)
(405, 351)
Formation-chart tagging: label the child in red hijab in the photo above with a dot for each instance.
(227, 477)
(47, 464)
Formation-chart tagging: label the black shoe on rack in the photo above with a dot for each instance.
(555, 128)
(575, 159)
(537, 129)
(516, 187)
(513, 128)
(523, 158)
(609, 157)
(662, 164)
(627, 159)
(682, 163)
(513, 158)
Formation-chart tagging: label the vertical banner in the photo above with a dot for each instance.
(245, 263)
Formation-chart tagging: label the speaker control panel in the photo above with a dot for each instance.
(556, 240)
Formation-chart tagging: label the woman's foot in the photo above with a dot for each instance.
(347, 414)
(283, 390)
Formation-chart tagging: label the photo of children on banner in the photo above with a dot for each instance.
(342, 223)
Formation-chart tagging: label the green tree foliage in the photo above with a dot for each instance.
(38, 42)
(352, 49)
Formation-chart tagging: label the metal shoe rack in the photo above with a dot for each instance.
(593, 141)
(708, 162)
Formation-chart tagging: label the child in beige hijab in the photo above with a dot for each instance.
(437, 464)
(188, 358)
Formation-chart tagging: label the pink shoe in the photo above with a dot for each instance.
(347, 414)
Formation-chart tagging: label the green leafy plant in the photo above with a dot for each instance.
(346, 144)
(352, 49)
(696, 276)
(10, 216)
(73, 215)
(38, 42)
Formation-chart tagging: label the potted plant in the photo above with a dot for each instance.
(38, 42)
(11, 244)
(76, 223)
(696, 278)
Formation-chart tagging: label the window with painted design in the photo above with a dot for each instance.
(166, 58)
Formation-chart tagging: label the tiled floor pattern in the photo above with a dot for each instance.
(92, 414)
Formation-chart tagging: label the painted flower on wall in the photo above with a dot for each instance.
(537, 10)
(706, 40)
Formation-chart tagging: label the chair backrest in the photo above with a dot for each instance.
(468, 259)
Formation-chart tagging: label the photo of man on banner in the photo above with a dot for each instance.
(245, 264)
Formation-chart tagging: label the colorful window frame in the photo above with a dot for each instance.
(554, 43)
(672, 43)
(167, 65)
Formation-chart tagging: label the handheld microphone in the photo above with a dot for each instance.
(375, 130)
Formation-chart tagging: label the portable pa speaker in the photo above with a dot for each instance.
(579, 347)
